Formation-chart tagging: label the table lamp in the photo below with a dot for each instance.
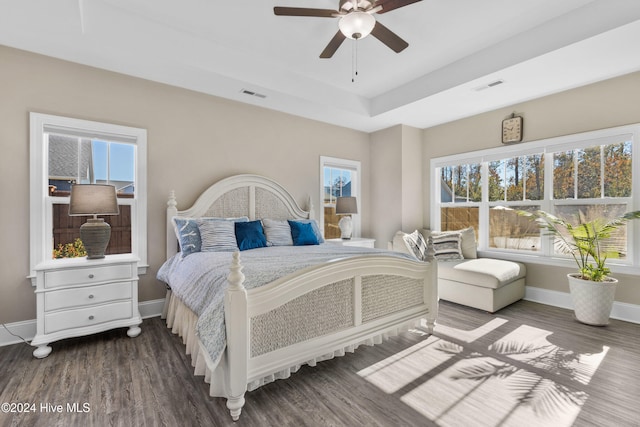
(346, 206)
(94, 199)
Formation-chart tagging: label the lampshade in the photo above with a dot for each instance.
(357, 25)
(93, 199)
(346, 205)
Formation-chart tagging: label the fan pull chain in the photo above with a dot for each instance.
(354, 60)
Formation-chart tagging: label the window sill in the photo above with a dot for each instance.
(555, 262)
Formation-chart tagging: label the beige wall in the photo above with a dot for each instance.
(193, 140)
(412, 179)
(396, 202)
(386, 160)
(601, 105)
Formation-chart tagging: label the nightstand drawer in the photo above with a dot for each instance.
(80, 276)
(89, 316)
(89, 295)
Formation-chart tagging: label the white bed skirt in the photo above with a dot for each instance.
(182, 321)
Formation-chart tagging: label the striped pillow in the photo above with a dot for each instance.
(416, 245)
(447, 246)
(218, 234)
(278, 232)
(467, 241)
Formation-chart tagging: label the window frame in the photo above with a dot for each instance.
(356, 179)
(41, 218)
(631, 265)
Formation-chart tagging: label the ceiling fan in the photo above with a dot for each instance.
(356, 21)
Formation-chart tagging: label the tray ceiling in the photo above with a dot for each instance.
(458, 50)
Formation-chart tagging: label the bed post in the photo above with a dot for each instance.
(433, 301)
(433, 278)
(311, 208)
(171, 242)
(235, 308)
(172, 211)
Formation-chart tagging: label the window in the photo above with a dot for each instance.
(595, 182)
(67, 151)
(514, 183)
(589, 175)
(78, 160)
(461, 194)
(339, 178)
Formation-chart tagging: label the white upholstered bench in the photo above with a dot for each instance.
(483, 283)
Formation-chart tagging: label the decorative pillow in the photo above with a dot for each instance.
(398, 243)
(468, 243)
(314, 226)
(416, 245)
(250, 235)
(218, 234)
(447, 246)
(188, 235)
(277, 232)
(303, 233)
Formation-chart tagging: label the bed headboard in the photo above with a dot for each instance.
(248, 195)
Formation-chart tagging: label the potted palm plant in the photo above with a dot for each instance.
(592, 289)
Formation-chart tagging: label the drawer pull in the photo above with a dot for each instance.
(91, 296)
(91, 276)
(90, 317)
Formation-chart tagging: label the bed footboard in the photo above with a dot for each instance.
(319, 311)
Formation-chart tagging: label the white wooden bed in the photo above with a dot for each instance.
(365, 280)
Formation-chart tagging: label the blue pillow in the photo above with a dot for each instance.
(314, 225)
(303, 233)
(188, 235)
(250, 235)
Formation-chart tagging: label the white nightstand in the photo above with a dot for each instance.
(354, 241)
(77, 296)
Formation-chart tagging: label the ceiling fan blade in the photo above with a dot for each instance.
(389, 38)
(302, 11)
(333, 45)
(389, 5)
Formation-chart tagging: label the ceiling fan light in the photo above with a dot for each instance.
(357, 25)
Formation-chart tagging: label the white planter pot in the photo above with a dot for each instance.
(592, 301)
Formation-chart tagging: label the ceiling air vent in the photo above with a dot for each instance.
(252, 93)
(489, 85)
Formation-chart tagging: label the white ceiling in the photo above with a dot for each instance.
(537, 47)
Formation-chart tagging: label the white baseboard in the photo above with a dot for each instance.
(151, 308)
(548, 297)
(620, 311)
(27, 328)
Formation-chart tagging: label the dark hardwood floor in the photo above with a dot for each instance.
(528, 364)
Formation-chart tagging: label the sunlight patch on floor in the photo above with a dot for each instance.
(472, 335)
(526, 377)
(536, 347)
(395, 372)
(482, 391)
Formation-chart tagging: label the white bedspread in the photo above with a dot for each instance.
(199, 279)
